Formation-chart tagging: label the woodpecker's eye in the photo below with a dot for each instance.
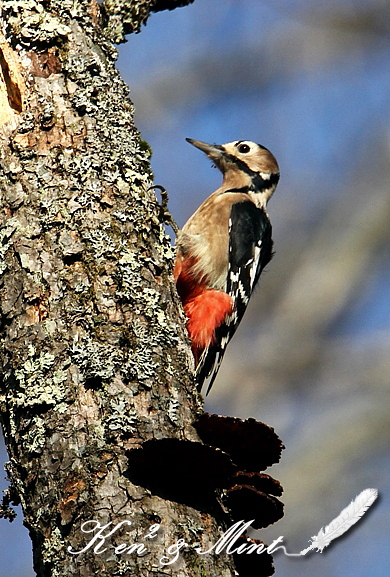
(243, 148)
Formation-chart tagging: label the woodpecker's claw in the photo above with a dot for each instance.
(165, 215)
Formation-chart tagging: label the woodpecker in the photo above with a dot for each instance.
(222, 249)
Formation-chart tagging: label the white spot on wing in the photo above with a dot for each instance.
(254, 265)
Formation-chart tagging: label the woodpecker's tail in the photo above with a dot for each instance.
(208, 367)
(211, 358)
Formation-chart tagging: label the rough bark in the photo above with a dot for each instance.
(94, 360)
(94, 357)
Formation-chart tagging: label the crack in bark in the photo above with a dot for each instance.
(13, 90)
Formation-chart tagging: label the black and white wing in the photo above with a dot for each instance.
(250, 250)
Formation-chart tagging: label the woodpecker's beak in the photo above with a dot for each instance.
(213, 151)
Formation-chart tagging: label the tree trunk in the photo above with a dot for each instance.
(95, 359)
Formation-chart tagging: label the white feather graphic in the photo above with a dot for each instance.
(348, 517)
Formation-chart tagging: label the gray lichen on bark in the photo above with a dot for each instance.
(124, 16)
(94, 354)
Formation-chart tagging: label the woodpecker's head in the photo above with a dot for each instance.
(245, 165)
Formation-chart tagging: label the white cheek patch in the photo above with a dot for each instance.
(265, 175)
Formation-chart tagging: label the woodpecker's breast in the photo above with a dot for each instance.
(205, 237)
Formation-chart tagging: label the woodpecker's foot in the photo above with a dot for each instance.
(165, 215)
